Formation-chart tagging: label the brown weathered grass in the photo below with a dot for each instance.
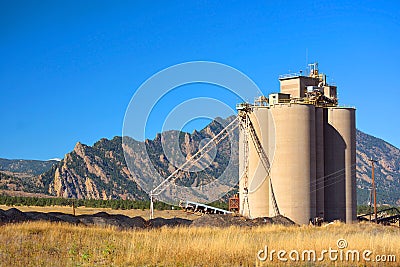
(55, 244)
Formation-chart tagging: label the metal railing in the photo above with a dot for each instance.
(290, 75)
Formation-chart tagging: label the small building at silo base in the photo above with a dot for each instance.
(297, 153)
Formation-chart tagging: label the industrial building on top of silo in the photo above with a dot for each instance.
(297, 152)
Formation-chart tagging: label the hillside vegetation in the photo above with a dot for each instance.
(32, 167)
(15, 183)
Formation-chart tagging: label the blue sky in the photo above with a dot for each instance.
(68, 69)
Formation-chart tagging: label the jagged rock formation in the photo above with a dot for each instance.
(101, 171)
(96, 172)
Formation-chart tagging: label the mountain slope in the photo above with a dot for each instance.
(22, 175)
(387, 169)
(28, 167)
(101, 172)
(14, 183)
(93, 172)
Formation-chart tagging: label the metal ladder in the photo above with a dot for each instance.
(244, 126)
(264, 159)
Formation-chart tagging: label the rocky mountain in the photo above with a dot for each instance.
(387, 169)
(100, 171)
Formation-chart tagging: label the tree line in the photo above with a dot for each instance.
(90, 203)
(364, 209)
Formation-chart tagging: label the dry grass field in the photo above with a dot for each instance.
(55, 244)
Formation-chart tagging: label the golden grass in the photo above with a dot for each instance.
(60, 244)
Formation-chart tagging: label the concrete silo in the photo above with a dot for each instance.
(340, 165)
(255, 183)
(293, 167)
(301, 162)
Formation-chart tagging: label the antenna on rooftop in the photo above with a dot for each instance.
(306, 57)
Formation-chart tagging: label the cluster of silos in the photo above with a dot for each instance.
(311, 149)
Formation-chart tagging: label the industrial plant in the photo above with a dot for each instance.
(297, 152)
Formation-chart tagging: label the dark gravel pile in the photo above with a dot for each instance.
(15, 215)
(3, 217)
(40, 216)
(282, 220)
(103, 219)
(119, 221)
(65, 217)
(159, 222)
(220, 220)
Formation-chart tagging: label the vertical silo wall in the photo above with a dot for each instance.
(341, 131)
(294, 163)
(318, 187)
(258, 186)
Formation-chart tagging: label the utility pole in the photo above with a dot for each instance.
(73, 207)
(374, 189)
(370, 204)
(151, 205)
